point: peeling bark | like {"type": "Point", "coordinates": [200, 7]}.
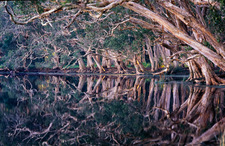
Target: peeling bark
{"type": "Point", "coordinates": [211, 55]}
{"type": "Point", "coordinates": [82, 67]}
{"type": "Point", "coordinates": [98, 64]}
{"type": "Point", "coordinates": [195, 71]}
{"type": "Point", "coordinates": [104, 62]}
{"type": "Point", "coordinates": [138, 68]}
{"type": "Point", "coordinates": [189, 20]}
{"type": "Point", "coordinates": [150, 53]}
{"type": "Point", "coordinates": [210, 76]}
{"type": "Point", "coordinates": [90, 63]}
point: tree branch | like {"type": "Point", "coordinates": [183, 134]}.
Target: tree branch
{"type": "Point", "coordinates": [206, 3]}
{"type": "Point", "coordinates": [111, 5]}
{"type": "Point", "coordinates": [118, 25]}
{"type": "Point", "coordinates": [74, 18]}
{"type": "Point", "coordinates": [145, 24]}
{"type": "Point", "coordinates": [12, 15]}
{"type": "Point", "coordinates": [216, 58]}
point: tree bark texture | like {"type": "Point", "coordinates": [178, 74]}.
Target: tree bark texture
{"type": "Point", "coordinates": [211, 55]}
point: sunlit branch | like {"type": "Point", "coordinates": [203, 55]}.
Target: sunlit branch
{"type": "Point", "coordinates": [46, 23]}
{"type": "Point", "coordinates": [114, 3]}
{"type": "Point", "coordinates": [207, 3]}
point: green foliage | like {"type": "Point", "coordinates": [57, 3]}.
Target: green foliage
{"type": "Point", "coordinates": [123, 40]}
{"type": "Point", "coordinates": [8, 43]}
{"type": "Point", "coordinates": [146, 65]}
{"type": "Point", "coordinates": [208, 45]}
{"type": "Point", "coordinates": [188, 48]}
{"type": "Point", "coordinates": [23, 7]}
{"type": "Point", "coordinates": [216, 20]}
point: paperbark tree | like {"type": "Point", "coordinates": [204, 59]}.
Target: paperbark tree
{"type": "Point", "coordinates": [173, 18]}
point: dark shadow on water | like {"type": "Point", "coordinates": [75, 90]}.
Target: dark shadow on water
{"type": "Point", "coordinates": [109, 110]}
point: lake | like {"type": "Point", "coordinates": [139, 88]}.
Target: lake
{"type": "Point", "coordinates": [110, 110]}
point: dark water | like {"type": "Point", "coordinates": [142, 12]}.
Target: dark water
{"type": "Point", "coordinates": [109, 110]}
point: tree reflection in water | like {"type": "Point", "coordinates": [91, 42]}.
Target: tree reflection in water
{"type": "Point", "coordinates": [105, 110]}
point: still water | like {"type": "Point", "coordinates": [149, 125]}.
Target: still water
{"type": "Point", "coordinates": [109, 110]}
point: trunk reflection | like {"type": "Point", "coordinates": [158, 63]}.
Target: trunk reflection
{"type": "Point", "coordinates": [109, 110]}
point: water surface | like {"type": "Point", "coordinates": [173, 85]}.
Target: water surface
{"type": "Point", "coordinates": [109, 110]}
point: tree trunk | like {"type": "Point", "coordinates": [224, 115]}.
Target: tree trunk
{"type": "Point", "coordinates": [104, 62]}
{"type": "Point", "coordinates": [90, 63]}
{"type": "Point", "coordinates": [117, 64]}
{"type": "Point", "coordinates": [109, 64]}
{"type": "Point", "coordinates": [97, 56]}
{"type": "Point", "coordinates": [143, 55]}
{"type": "Point", "coordinates": [175, 63]}
{"type": "Point", "coordinates": [164, 54]}
{"type": "Point", "coordinates": [108, 61]}
{"type": "Point", "coordinates": [195, 71]}
{"type": "Point", "coordinates": [136, 65]}
{"type": "Point", "coordinates": [122, 65]}
{"type": "Point", "coordinates": [55, 58]}
{"type": "Point", "coordinates": [200, 70]}
{"type": "Point", "coordinates": [156, 56]}
{"type": "Point", "coordinates": [150, 54]}
{"type": "Point", "coordinates": [82, 67]}
{"type": "Point", "coordinates": [141, 66]}
{"type": "Point", "coordinates": [98, 64]}
{"type": "Point", "coordinates": [210, 77]}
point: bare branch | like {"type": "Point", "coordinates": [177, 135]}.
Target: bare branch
{"type": "Point", "coordinates": [207, 3]}
{"type": "Point", "coordinates": [74, 18]}
{"type": "Point", "coordinates": [12, 16]}
{"type": "Point", "coordinates": [118, 25]}
{"type": "Point", "coordinates": [183, 52]}
{"type": "Point", "coordinates": [114, 3]}
{"type": "Point", "coordinates": [145, 24]}
{"type": "Point", "coordinates": [46, 23]}
{"type": "Point", "coordinates": [188, 59]}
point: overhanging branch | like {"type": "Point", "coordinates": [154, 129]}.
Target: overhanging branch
{"type": "Point", "coordinates": [12, 15]}
{"type": "Point", "coordinates": [105, 8]}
